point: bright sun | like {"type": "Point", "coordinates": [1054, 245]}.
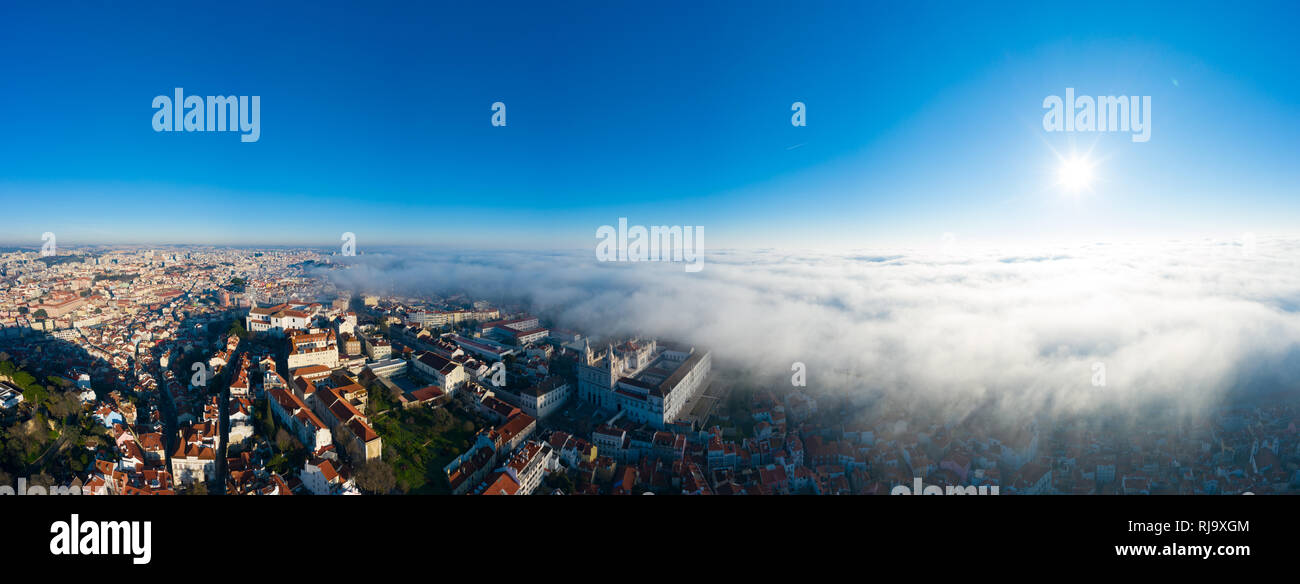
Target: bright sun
{"type": "Point", "coordinates": [1075, 174]}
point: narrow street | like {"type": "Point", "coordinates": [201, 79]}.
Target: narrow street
{"type": "Point", "coordinates": [223, 405]}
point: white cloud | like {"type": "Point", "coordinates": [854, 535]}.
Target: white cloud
{"type": "Point", "coordinates": [1175, 323]}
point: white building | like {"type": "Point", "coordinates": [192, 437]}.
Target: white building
{"type": "Point", "coordinates": [540, 400]}
{"type": "Point", "coordinates": [315, 348]}
{"type": "Point", "coordinates": [448, 374]}
{"type": "Point", "coordinates": [347, 323]}
{"type": "Point", "coordinates": [645, 381]}
{"type": "Point", "coordinates": [429, 319]}
{"type": "Point", "coordinates": [241, 420]}
{"type": "Point", "coordinates": [377, 348]}
{"type": "Point", "coordinates": [86, 393]}
{"type": "Point", "coordinates": [523, 473]}
{"type": "Point", "coordinates": [321, 477]}
{"type": "Point", "coordinates": [387, 367]}
{"type": "Point", "coordinates": [193, 464]}
{"type": "Point", "coordinates": [10, 396]}
{"type": "Point", "coordinates": [280, 318]}
{"type": "Point", "coordinates": [295, 416]}
{"type": "Point", "coordinates": [529, 465]}
{"type": "Point", "coordinates": [521, 330]}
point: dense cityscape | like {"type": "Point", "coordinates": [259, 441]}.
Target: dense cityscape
{"type": "Point", "coordinates": [201, 370]}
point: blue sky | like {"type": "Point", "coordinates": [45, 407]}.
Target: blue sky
{"type": "Point", "coordinates": [923, 118]}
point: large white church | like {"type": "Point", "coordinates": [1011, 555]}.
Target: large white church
{"type": "Point", "coordinates": [645, 381]}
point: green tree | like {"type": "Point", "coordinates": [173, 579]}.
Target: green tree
{"type": "Point", "coordinates": [283, 441]}
{"type": "Point", "coordinates": [237, 329]}
{"type": "Point", "coordinates": [268, 418]}
{"type": "Point", "coordinates": [42, 479]}
{"type": "Point", "coordinates": [376, 477]}
{"type": "Point", "coordinates": [31, 391]}
{"type": "Point", "coordinates": [561, 481]}
{"type": "Point", "coordinates": [379, 397]}
{"type": "Point", "coordinates": [63, 404]}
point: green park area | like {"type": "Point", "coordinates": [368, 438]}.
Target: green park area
{"type": "Point", "coordinates": [50, 435]}
{"type": "Point", "coordinates": [419, 442]}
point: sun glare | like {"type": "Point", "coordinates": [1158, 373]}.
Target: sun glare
{"type": "Point", "coordinates": [1075, 174]}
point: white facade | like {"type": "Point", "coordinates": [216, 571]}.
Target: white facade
{"type": "Point", "coordinates": [241, 426]}
{"type": "Point", "coordinates": [280, 318]}
{"type": "Point", "coordinates": [541, 401]}
{"type": "Point", "coordinates": [445, 373]}
{"type": "Point", "coordinates": [9, 397]}
{"type": "Point", "coordinates": [377, 348]}
{"type": "Point", "coordinates": [190, 470]}
{"type": "Point", "coordinates": [646, 382]}
{"type": "Point", "coordinates": [294, 415]}
{"type": "Point", "coordinates": [314, 349]}
{"type": "Point", "coordinates": [529, 465]}
{"type": "Point", "coordinates": [387, 367]}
